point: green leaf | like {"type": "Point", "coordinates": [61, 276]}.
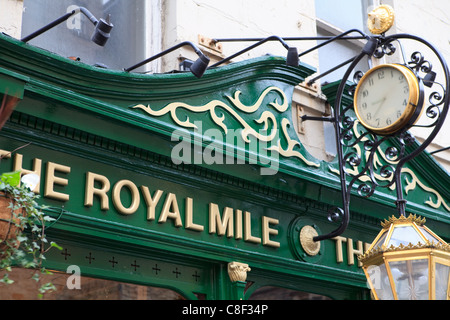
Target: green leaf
{"type": "Point", "coordinates": [55, 245]}
{"type": "Point", "coordinates": [35, 277]}
{"type": "Point", "coordinates": [11, 178]}
{"type": "Point", "coordinates": [6, 279]}
{"type": "Point", "coordinates": [45, 271]}
{"type": "Point", "coordinates": [21, 238]}
{"type": "Point", "coordinates": [47, 287]}
{"type": "Point", "coordinates": [29, 265]}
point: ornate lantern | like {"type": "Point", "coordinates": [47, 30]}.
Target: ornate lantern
{"type": "Point", "coordinates": [407, 261]}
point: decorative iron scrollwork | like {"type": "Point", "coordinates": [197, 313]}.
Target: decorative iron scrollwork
{"type": "Point", "coordinates": [384, 49]}
{"type": "Point", "coordinates": [367, 160]}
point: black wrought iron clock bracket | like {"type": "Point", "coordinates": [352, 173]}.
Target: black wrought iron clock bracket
{"type": "Point", "coordinates": [357, 170]}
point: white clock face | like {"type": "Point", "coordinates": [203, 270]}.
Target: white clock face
{"type": "Point", "coordinates": [382, 97]}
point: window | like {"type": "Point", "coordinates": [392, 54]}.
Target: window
{"type": "Point", "coordinates": [26, 288]}
{"type": "Point", "coordinates": [344, 14]}
{"type": "Point", "coordinates": [334, 18]}
{"type": "Point", "coordinates": [71, 38]}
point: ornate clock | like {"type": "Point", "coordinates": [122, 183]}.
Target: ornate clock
{"type": "Point", "coordinates": [388, 99]}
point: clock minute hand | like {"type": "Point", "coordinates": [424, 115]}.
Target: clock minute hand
{"type": "Point", "coordinates": [381, 102]}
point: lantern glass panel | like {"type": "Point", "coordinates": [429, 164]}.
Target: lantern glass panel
{"type": "Point", "coordinates": [405, 235]}
{"type": "Point", "coordinates": [380, 282]}
{"type": "Point", "coordinates": [411, 279]}
{"type": "Point", "coordinates": [442, 281]}
{"type": "Point", "coordinates": [380, 241]}
{"type": "Point", "coordinates": [428, 235]}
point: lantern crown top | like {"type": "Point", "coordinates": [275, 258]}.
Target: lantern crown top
{"type": "Point", "coordinates": [404, 233]}
{"type": "Point", "coordinates": [402, 220]}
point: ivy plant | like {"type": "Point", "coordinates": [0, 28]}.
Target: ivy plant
{"type": "Point", "coordinates": [27, 249]}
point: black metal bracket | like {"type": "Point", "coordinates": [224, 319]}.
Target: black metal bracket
{"type": "Point", "coordinates": [358, 171]}
{"type": "Point", "coordinates": [325, 119]}
{"type": "Point", "coordinates": [292, 58]}
{"type": "Point", "coordinates": [440, 150]}
{"type": "Point", "coordinates": [101, 33]}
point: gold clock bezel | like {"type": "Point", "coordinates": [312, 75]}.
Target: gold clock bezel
{"type": "Point", "coordinates": [413, 109]}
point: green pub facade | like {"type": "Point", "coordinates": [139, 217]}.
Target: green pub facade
{"type": "Point", "coordinates": [197, 185]}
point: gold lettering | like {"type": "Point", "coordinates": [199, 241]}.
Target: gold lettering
{"type": "Point", "coordinates": [51, 180]}
{"type": "Point", "coordinates": [170, 210]}
{"type": "Point", "coordinates": [151, 202]}
{"type": "Point", "coordinates": [91, 190]}
{"type": "Point", "coordinates": [135, 199]}
{"type": "Point", "coordinates": [218, 224]}
{"type": "Point", "coordinates": [339, 254]}
{"type": "Point", "coordinates": [248, 229]}
{"type": "Point", "coordinates": [351, 251]}
{"type": "Point", "coordinates": [238, 226]}
{"type": "Point", "coordinates": [37, 166]}
{"type": "Point", "coordinates": [267, 231]}
{"type": "Point", "coordinates": [189, 216]}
